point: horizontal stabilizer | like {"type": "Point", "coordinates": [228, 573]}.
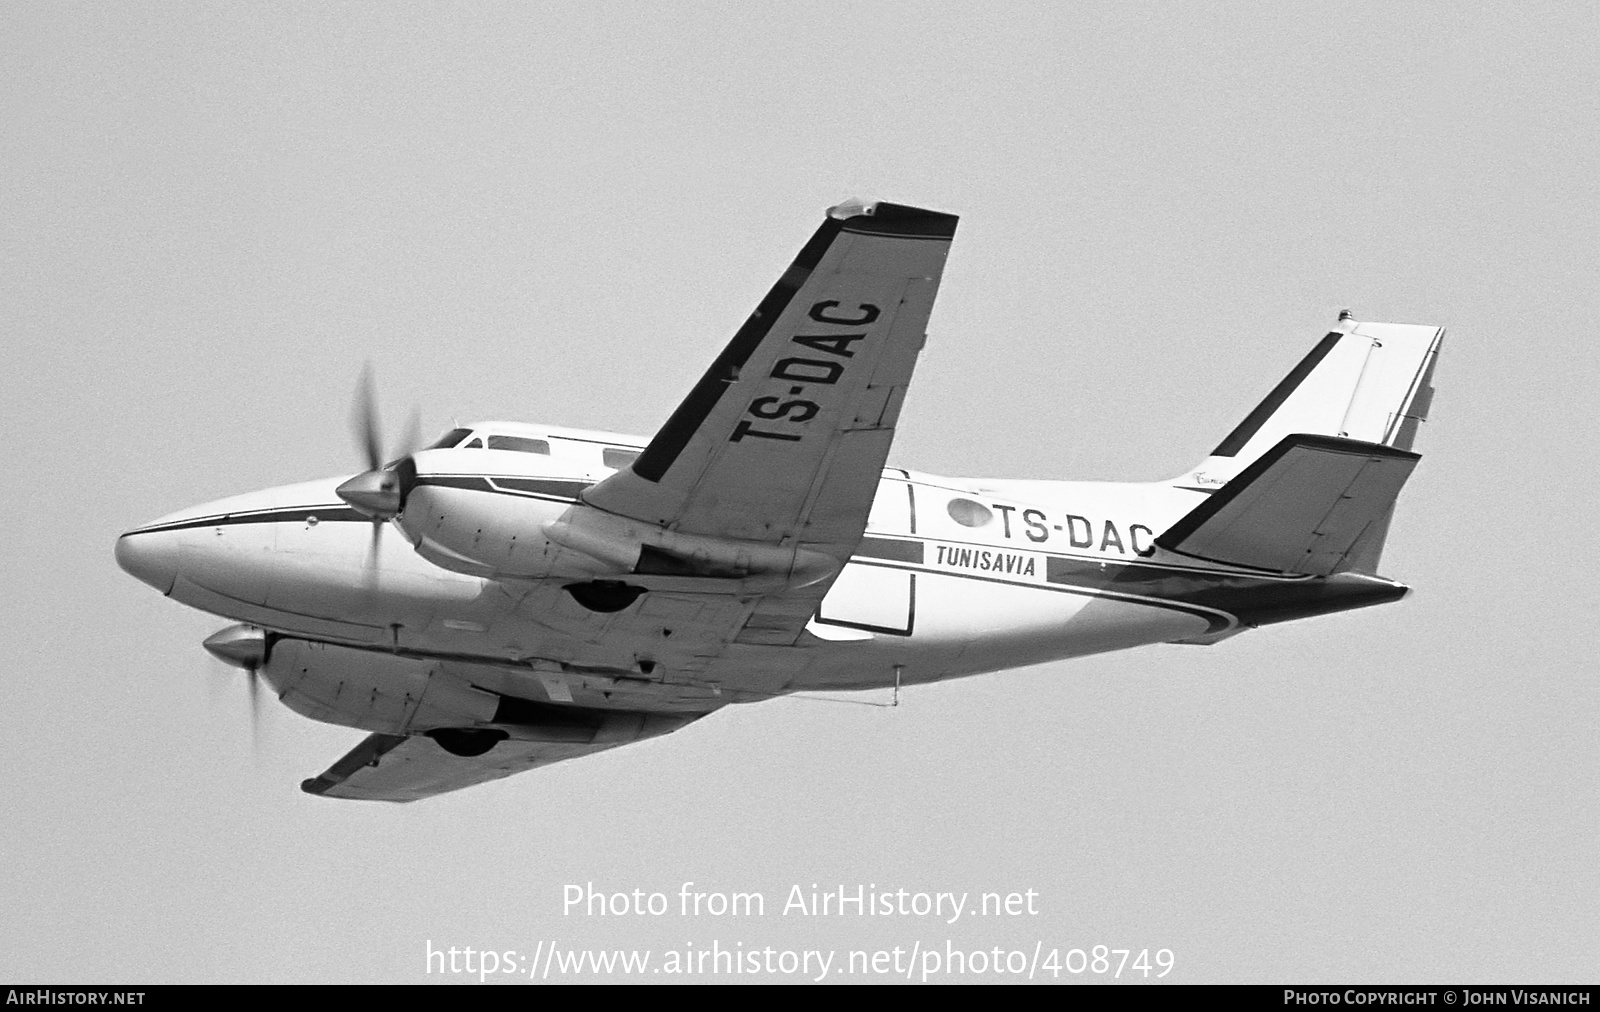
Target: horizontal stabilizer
{"type": "Point", "coordinates": [1303, 507]}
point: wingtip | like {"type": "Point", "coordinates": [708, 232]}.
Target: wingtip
{"type": "Point", "coordinates": [852, 207]}
{"type": "Point", "coordinates": [883, 218]}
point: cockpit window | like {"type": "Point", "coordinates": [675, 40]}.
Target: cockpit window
{"type": "Point", "coordinates": [448, 440]}
{"type": "Point", "coordinates": [476, 444]}
{"type": "Point", "coordinates": [617, 458]}
{"type": "Point", "coordinates": [519, 444]}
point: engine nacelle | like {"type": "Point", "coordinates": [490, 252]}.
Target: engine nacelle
{"type": "Point", "coordinates": [372, 690]}
{"type": "Point", "coordinates": [487, 522]}
{"type": "Point", "coordinates": [640, 549]}
{"type": "Point", "coordinates": [533, 527]}
{"type": "Point", "coordinates": [390, 694]}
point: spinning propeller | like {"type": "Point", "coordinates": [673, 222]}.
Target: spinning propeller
{"type": "Point", "coordinates": [243, 646]}
{"type": "Point", "coordinates": [379, 492]}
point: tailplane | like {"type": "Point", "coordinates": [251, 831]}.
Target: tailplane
{"type": "Point", "coordinates": [1314, 505]}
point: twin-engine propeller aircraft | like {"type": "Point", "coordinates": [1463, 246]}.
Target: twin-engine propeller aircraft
{"type": "Point", "coordinates": [566, 591]}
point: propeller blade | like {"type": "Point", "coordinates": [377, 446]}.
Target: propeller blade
{"type": "Point", "coordinates": [364, 419]}
{"type": "Point", "coordinates": [411, 436]}
{"type": "Point", "coordinates": [370, 568]}
{"type": "Point", "coordinates": [377, 491]}
{"type": "Point", "coordinates": [255, 707]}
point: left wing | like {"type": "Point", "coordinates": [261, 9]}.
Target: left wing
{"type": "Point", "coordinates": [783, 440]}
{"type": "Point", "coordinates": [397, 767]}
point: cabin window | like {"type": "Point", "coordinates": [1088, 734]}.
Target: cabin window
{"type": "Point", "coordinates": [520, 444]}
{"type": "Point", "coordinates": [968, 513]}
{"type": "Point", "coordinates": [448, 440]}
{"type": "Point", "coordinates": [617, 458]}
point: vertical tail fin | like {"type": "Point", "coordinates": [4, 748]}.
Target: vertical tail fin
{"type": "Point", "coordinates": [1365, 381]}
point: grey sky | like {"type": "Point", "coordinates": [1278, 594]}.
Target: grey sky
{"type": "Point", "coordinates": [211, 215]}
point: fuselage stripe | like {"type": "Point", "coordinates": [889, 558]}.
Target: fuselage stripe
{"type": "Point", "coordinates": [887, 548]}
{"type": "Point", "coordinates": [550, 489]}
{"type": "Point", "coordinates": [283, 514]}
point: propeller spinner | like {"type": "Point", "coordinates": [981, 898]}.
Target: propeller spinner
{"type": "Point", "coordinates": [375, 494]}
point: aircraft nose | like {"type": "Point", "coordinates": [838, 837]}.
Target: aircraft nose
{"type": "Point", "coordinates": [152, 556]}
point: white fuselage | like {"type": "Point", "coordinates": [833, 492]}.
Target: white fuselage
{"type": "Point", "coordinates": [954, 577]}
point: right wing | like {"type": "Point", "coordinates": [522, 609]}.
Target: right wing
{"type": "Point", "coordinates": [1303, 507]}
{"type": "Point", "coordinates": [783, 440]}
